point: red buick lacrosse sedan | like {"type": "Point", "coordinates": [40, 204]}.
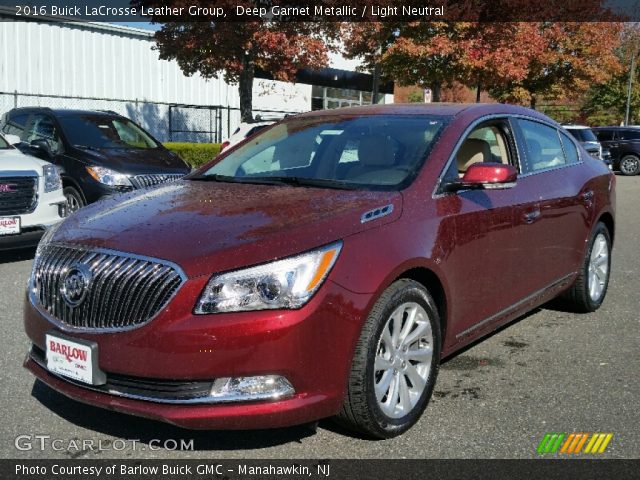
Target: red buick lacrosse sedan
{"type": "Point", "coordinates": [323, 267]}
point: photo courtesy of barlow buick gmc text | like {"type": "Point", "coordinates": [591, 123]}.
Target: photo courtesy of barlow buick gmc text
{"type": "Point", "coordinates": [269, 239]}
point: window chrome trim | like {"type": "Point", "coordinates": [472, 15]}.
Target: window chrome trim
{"type": "Point", "coordinates": [33, 299]}
{"type": "Point", "coordinates": [496, 116]}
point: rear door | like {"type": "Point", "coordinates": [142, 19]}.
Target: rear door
{"type": "Point", "coordinates": [608, 139]}
{"type": "Point", "coordinates": [551, 171]}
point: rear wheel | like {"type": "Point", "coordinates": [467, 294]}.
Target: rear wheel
{"type": "Point", "coordinates": [395, 364]}
{"type": "Point", "coordinates": [630, 165]}
{"type": "Point", "coordinates": [590, 288]}
{"type": "Point", "coordinates": [74, 199]}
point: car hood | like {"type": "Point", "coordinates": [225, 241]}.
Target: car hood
{"type": "Point", "coordinates": [14, 160]}
{"type": "Point", "coordinates": [208, 227]}
{"type": "Point", "coordinates": [136, 161]}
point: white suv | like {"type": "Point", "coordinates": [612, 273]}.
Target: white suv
{"type": "Point", "coordinates": [31, 198]}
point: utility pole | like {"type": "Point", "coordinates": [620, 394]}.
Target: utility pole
{"type": "Point", "coordinates": [631, 75]}
{"type": "Point", "coordinates": [376, 77]}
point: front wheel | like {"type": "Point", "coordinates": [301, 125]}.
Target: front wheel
{"type": "Point", "coordinates": [630, 165]}
{"type": "Point", "coordinates": [588, 291]}
{"type": "Point", "coordinates": [74, 199]}
{"type": "Point", "coordinates": [395, 363]}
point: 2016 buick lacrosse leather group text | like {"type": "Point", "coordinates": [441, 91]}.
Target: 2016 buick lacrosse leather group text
{"type": "Point", "coordinates": [323, 267]}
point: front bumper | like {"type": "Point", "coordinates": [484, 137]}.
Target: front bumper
{"type": "Point", "coordinates": [311, 347]}
{"type": "Point", "coordinates": [33, 225]}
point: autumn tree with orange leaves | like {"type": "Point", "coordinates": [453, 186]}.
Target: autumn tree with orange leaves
{"type": "Point", "coordinates": [574, 57]}
{"type": "Point", "coordinates": [235, 50]}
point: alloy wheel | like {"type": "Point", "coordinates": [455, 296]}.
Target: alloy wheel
{"type": "Point", "coordinates": [598, 267]}
{"type": "Point", "coordinates": [630, 165]}
{"type": "Point", "coordinates": [403, 360]}
{"type": "Point", "coordinates": [73, 204]}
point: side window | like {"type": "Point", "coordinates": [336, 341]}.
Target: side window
{"type": "Point", "coordinates": [486, 143]}
{"type": "Point", "coordinates": [630, 135]}
{"type": "Point", "coordinates": [570, 150]}
{"type": "Point", "coordinates": [542, 146]}
{"type": "Point", "coordinates": [604, 135]}
{"type": "Point", "coordinates": [42, 127]}
{"type": "Point", "coordinates": [16, 125]}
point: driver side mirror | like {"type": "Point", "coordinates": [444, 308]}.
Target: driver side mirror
{"type": "Point", "coordinates": [486, 175]}
{"type": "Point", "coordinates": [40, 145]}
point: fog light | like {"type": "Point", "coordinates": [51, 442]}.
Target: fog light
{"type": "Point", "coordinates": [263, 387]}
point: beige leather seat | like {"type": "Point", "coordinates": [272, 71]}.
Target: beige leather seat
{"type": "Point", "coordinates": [375, 155]}
{"type": "Point", "coordinates": [473, 150]}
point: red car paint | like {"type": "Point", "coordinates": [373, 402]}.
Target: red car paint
{"type": "Point", "coordinates": [487, 256]}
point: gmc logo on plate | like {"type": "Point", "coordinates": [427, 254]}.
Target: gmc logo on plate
{"type": "Point", "coordinates": [7, 187]}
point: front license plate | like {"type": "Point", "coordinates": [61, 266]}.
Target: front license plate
{"type": "Point", "coordinates": [73, 358]}
{"type": "Point", "coordinates": [9, 225]}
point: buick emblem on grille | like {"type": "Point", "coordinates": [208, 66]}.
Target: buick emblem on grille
{"type": "Point", "coordinates": [7, 187]}
{"type": "Point", "coordinates": [75, 284]}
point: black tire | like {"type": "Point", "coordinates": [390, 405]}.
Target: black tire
{"type": "Point", "coordinates": [75, 201]}
{"type": "Point", "coordinates": [360, 411]}
{"type": "Point", "coordinates": [578, 297]}
{"type": "Point", "coordinates": [629, 165]}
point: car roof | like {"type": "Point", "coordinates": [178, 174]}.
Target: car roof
{"type": "Point", "coordinates": [628, 127]}
{"type": "Point", "coordinates": [64, 112]}
{"type": "Point", "coordinates": [581, 127]}
{"type": "Point", "coordinates": [438, 109]}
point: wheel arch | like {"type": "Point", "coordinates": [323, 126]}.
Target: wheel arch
{"type": "Point", "coordinates": [70, 182]}
{"type": "Point", "coordinates": [609, 222]}
{"type": "Point", "coordinates": [430, 280]}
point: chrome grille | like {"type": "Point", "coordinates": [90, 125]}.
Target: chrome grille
{"type": "Point", "coordinates": [142, 181]}
{"type": "Point", "coordinates": [125, 291]}
{"type": "Point", "coordinates": [18, 194]}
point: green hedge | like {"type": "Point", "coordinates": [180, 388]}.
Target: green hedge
{"type": "Point", "coordinates": [195, 154]}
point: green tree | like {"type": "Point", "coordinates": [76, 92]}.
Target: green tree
{"type": "Point", "coordinates": [606, 103]}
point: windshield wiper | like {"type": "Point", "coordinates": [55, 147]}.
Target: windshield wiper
{"type": "Point", "coordinates": [281, 180]}
{"type": "Point", "coordinates": [216, 178]}
{"type": "Point", "coordinates": [305, 182]}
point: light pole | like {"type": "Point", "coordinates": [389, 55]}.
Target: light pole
{"type": "Point", "coordinates": [631, 75]}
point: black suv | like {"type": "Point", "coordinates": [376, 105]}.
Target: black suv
{"type": "Point", "coordinates": [624, 145]}
{"type": "Point", "coordinates": [99, 152]}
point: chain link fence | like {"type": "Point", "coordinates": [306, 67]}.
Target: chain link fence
{"type": "Point", "coordinates": [167, 122]}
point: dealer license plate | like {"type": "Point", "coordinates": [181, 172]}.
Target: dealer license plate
{"type": "Point", "coordinates": [74, 359]}
{"type": "Point", "coordinates": [9, 225]}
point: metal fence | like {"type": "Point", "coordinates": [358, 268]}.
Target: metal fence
{"type": "Point", "coordinates": [167, 122]}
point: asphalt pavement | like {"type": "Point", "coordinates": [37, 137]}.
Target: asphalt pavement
{"type": "Point", "coordinates": [550, 371]}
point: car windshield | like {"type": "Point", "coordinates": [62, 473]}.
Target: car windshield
{"type": "Point", "coordinates": [100, 131]}
{"type": "Point", "coordinates": [583, 134]}
{"type": "Point", "coordinates": [3, 143]}
{"type": "Point", "coordinates": [376, 152]}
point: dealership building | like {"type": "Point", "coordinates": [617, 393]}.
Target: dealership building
{"type": "Point", "coordinates": [90, 65]}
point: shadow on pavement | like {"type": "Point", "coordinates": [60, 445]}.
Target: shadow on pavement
{"type": "Point", "coordinates": [11, 256]}
{"type": "Point", "coordinates": [144, 430]}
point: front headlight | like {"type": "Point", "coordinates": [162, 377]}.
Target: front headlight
{"type": "Point", "coordinates": [109, 177]}
{"type": "Point", "coordinates": [52, 180]}
{"type": "Point", "coordinates": [287, 283]}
